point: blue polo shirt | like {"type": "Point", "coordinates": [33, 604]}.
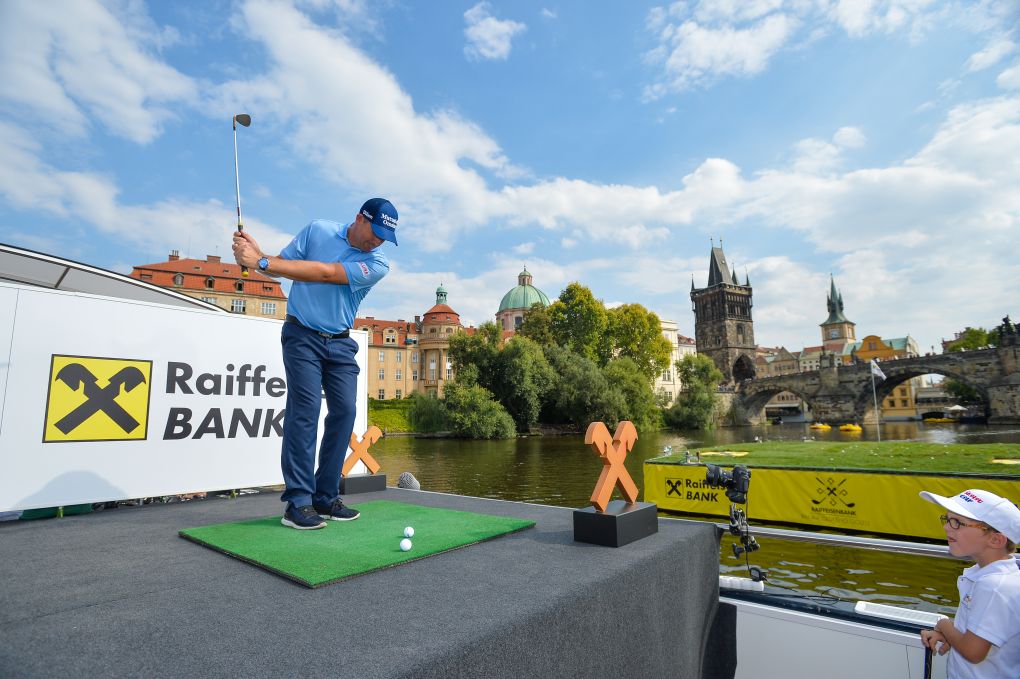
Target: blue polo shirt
{"type": "Point", "coordinates": [329, 307]}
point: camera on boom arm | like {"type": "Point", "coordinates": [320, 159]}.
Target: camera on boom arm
{"type": "Point", "coordinates": [735, 482]}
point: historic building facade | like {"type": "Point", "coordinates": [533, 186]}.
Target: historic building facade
{"type": "Point", "coordinates": [837, 330]}
{"type": "Point", "coordinates": [404, 357]}
{"type": "Point", "coordinates": [723, 327]}
{"type": "Point", "coordinates": [668, 385]}
{"type": "Point", "coordinates": [517, 301]}
{"type": "Point", "coordinates": [220, 283]}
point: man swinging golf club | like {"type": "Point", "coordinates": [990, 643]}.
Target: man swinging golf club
{"type": "Point", "coordinates": [333, 267]}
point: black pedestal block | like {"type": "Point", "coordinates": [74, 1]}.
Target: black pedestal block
{"type": "Point", "coordinates": [620, 524]}
{"type": "Point", "coordinates": [362, 483]}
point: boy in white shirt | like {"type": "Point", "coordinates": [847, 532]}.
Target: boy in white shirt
{"type": "Point", "coordinates": [984, 638]}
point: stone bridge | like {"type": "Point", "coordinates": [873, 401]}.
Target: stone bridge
{"type": "Point", "coordinates": [840, 394]}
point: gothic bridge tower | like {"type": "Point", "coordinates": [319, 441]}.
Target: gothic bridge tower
{"type": "Point", "coordinates": [723, 328]}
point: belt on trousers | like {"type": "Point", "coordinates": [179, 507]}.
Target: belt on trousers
{"type": "Point", "coordinates": [327, 335]}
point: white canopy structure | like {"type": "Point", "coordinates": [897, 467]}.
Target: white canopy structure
{"type": "Point", "coordinates": [26, 267]}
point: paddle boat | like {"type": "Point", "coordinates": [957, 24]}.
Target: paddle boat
{"type": "Point", "coordinates": [850, 427]}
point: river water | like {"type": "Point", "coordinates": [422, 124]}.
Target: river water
{"type": "Point", "coordinates": [562, 471]}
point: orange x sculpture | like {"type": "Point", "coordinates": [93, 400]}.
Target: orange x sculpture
{"type": "Point", "coordinates": [613, 451]}
{"type": "Point", "coordinates": [359, 451]}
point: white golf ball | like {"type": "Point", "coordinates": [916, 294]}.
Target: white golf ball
{"type": "Point", "coordinates": [408, 532]}
{"type": "Point", "coordinates": [405, 545]}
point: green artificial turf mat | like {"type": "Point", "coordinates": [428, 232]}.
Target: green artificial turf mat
{"type": "Point", "coordinates": [344, 549]}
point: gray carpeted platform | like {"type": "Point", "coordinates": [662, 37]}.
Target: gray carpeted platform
{"type": "Point", "coordinates": [118, 593]}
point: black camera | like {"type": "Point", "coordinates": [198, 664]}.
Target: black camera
{"type": "Point", "coordinates": [735, 482]}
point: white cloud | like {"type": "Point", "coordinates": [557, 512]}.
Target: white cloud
{"type": "Point", "coordinates": [66, 63]}
{"type": "Point", "coordinates": [524, 248]}
{"type": "Point", "coordinates": [488, 37]}
{"type": "Point", "coordinates": [29, 183]}
{"type": "Point", "coordinates": [548, 13]}
{"type": "Point", "coordinates": [1010, 78]}
{"type": "Point", "coordinates": [692, 53]}
{"type": "Point", "coordinates": [995, 52]}
{"type": "Point", "coordinates": [849, 138]}
{"type": "Point", "coordinates": [701, 41]}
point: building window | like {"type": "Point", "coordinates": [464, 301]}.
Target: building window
{"type": "Point", "coordinates": [414, 375]}
{"type": "Point", "coordinates": [237, 306]}
{"type": "Point", "coordinates": [390, 337]}
{"type": "Point", "coordinates": [399, 375]}
{"type": "Point", "coordinates": [449, 373]}
{"type": "Point", "coordinates": [432, 373]}
{"type": "Point", "coordinates": [239, 286]}
{"type": "Point", "coordinates": [414, 357]}
{"type": "Point", "coordinates": [268, 308]}
{"type": "Point", "coordinates": [518, 320]}
{"type": "Point", "coordinates": [267, 288]}
{"type": "Point", "coordinates": [210, 282]}
{"type": "Point", "coordinates": [178, 279]}
{"type": "Point", "coordinates": [400, 394]}
{"type": "Point", "coordinates": [382, 373]}
{"type": "Point", "coordinates": [400, 357]}
{"type": "Point", "coordinates": [903, 391]}
{"type": "Point", "coordinates": [382, 394]}
{"type": "Point", "coordinates": [211, 300]}
{"type": "Point", "coordinates": [382, 356]}
{"type": "Point", "coordinates": [666, 376]}
{"type": "Point", "coordinates": [146, 276]}
{"type": "Point", "coordinates": [903, 402]}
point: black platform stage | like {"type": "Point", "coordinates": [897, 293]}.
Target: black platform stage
{"type": "Point", "coordinates": [118, 593]}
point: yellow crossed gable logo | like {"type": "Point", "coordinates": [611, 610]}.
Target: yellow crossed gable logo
{"type": "Point", "coordinates": [97, 399]}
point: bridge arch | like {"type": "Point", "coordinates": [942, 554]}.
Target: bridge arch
{"type": "Point", "coordinates": [754, 397]}
{"type": "Point", "coordinates": [864, 402]}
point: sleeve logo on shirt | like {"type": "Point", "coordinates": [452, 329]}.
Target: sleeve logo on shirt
{"type": "Point", "coordinates": [364, 268]}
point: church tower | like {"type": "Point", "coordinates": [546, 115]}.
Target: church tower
{"type": "Point", "coordinates": [723, 328]}
{"type": "Point", "coordinates": [837, 331]}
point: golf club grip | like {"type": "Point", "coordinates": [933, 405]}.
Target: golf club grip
{"type": "Point", "coordinates": [244, 269]}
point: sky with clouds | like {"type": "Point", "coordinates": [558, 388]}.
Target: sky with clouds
{"type": "Point", "coordinates": [606, 143]}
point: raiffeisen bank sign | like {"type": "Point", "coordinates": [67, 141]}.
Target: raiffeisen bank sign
{"type": "Point", "coordinates": [107, 399]}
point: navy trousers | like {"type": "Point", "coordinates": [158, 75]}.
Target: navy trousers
{"type": "Point", "coordinates": [315, 365]}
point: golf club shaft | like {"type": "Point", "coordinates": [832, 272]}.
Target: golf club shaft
{"type": "Point", "coordinates": [237, 186]}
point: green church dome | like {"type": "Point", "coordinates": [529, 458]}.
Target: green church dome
{"type": "Point", "coordinates": [524, 295]}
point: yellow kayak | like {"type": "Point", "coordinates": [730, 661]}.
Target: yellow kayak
{"type": "Point", "coordinates": [850, 427]}
{"type": "Point", "coordinates": [819, 425]}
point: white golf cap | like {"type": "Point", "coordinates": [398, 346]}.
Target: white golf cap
{"type": "Point", "coordinates": [980, 505]}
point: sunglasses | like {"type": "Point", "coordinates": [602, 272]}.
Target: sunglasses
{"type": "Point", "coordinates": [956, 524]}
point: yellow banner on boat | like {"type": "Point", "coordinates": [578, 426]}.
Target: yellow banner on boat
{"type": "Point", "coordinates": [871, 502]}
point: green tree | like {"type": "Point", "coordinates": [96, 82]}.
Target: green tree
{"type": "Point", "coordinates": [426, 415]}
{"type": "Point", "coordinates": [696, 404]}
{"type": "Point", "coordinates": [521, 379]}
{"type": "Point", "coordinates": [578, 320]}
{"type": "Point", "coordinates": [473, 413]}
{"type": "Point", "coordinates": [582, 394]}
{"type": "Point", "coordinates": [635, 332]}
{"type": "Point", "coordinates": [641, 409]}
{"type": "Point", "coordinates": [961, 392]}
{"type": "Point", "coordinates": [537, 325]}
{"type": "Point", "coordinates": [974, 338]}
{"type": "Point", "coordinates": [480, 349]}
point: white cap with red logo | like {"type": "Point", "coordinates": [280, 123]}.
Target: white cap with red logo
{"type": "Point", "coordinates": [980, 505]}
